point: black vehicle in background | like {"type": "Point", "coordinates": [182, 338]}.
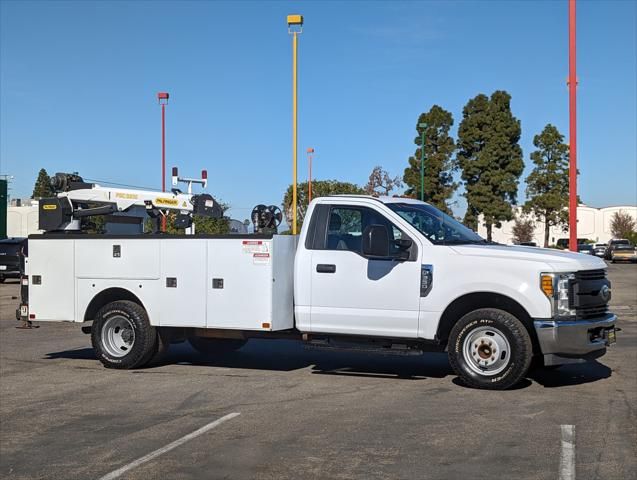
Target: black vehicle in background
{"type": "Point", "coordinates": [612, 245]}
{"type": "Point", "coordinates": [12, 252]}
{"type": "Point", "coordinates": [562, 243]}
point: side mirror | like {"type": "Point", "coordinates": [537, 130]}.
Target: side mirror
{"type": "Point", "coordinates": [376, 241]}
{"type": "Point", "coordinates": [404, 243]}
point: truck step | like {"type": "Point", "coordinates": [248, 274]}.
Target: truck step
{"type": "Point", "coordinates": [393, 350]}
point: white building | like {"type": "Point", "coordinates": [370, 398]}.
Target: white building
{"type": "Point", "coordinates": [592, 224]}
{"type": "Point", "coordinates": [22, 221]}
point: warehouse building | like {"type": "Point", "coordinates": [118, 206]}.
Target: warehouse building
{"type": "Point", "coordinates": [592, 224]}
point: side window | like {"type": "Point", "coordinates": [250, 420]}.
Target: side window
{"type": "Point", "coordinates": [346, 225]}
{"type": "Point", "coordinates": [345, 229]}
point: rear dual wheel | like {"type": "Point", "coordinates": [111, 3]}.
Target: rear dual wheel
{"type": "Point", "coordinates": [123, 337]}
{"type": "Point", "coordinates": [490, 349]}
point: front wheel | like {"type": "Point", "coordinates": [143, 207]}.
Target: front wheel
{"type": "Point", "coordinates": [490, 349]}
{"type": "Point", "coordinates": [122, 335]}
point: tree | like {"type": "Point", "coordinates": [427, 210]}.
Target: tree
{"type": "Point", "coordinates": [547, 185]}
{"type": "Point", "coordinates": [523, 230]}
{"type": "Point", "coordinates": [490, 158]}
{"type": "Point", "coordinates": [320, 188]}
{"type": "Point", "coordinates": [622, 225]}
{"type": "Point", "coordinates": [439, 164]}
{"type": "Point", "coordinates": [380, 182]}
{"type": "Point", "coordinates": [42, 188]}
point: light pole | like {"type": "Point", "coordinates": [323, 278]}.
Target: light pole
{"type": "Point", "coordinates": [422, 127]}
{"type": "Point", "coordinates": [295, 28]}
{"type": "Point", "coordinates": [162, 98]}
{"type": "Point", "coordinates": [310, 155]}
{"type": "Point", "coordinates": [572, 101]}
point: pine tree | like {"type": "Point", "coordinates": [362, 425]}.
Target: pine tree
{"type": "Point", "coordinates": [490, 158]}
{"type": "Point", "coordinates": [42, 188]}
{"type": "Point", "coordinates": [439, 164]}
{"type": "Point", "coordinates": [547, 184]}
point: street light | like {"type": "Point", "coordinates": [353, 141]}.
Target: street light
{"type": "Point", "coordinates": [422, 127]}
{"type": "Point", "coordinates": [295, 28]}
{"type": "Point", "coordinates": [310, 155]}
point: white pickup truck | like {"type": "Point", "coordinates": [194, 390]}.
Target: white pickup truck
{"type": "Point", "coordinates": [390, 275]}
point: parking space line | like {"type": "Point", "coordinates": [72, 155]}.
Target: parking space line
{"type": "Point", "coordinates": [116, 473]}
{"type": "Point", "coordinates": [567, 453]}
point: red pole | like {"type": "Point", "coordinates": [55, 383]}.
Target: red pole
{"type": "Point", "coordinates": [162, 97]}
{"type": "Point", "coordinates": [163, 147]}
{"type": "Point", "coordinates": [163, 159]}
{"type": "Point", "coordinates": [572, 101]}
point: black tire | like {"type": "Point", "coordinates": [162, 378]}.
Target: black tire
{"type": "Point", "coordinates": [144, 340]}
{"type": "Point", "coordinates": [2, 279]}
{"type": "Point", "coordinates": [486, 327]}
{"type": "Point", "coordinates": [215, 346]}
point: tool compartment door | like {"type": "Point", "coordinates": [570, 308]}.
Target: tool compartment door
{"type": "Point", "coordinates": [239, 284]}
{"type": "Point", "coordinates": [51, 279]}
{"type": "Point", "coordinates": [183, 283]}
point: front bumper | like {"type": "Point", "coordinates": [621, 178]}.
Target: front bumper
{"type": "Point", "coordinates": [574, 341]}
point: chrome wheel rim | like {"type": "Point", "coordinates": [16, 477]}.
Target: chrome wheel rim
{"type": "Point", "coordinates": [118, 336]}
{"type": "Point", "coordinates": [487, 351]}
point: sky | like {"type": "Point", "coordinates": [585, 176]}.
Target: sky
{"type": "Point", "coordinates": [78, 85]}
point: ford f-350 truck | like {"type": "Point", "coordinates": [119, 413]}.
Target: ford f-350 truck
{"type": "Point", "coordinates": [388, 275]}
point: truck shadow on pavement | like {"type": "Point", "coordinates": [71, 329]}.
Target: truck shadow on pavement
{"type": "Point", "coordinates": [282, 355]}
{"type": "Point", "coordinates": [568, 375]}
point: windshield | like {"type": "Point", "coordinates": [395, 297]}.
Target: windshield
{"type": "Point", "coordinates": [438, 227]}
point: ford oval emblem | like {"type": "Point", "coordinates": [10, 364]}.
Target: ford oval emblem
{"type": "Point", "coordinates": [605, 293]}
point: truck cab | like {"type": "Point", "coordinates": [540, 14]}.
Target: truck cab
{"type": "Point", "coordinates": [399, 268]}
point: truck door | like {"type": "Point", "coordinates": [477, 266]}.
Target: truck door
{"type": "Point", "coordinates": [352, 294]}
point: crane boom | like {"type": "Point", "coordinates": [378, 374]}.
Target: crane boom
{"type": "Point", "coordinates": [76, 199]}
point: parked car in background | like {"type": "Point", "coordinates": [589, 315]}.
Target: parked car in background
{"type": "Point", "coordinates": [624, 253]}
{"type": "Point", "coordinates": [585, 248]}
{"type": "Point", "coordinates": [528, 244]}
{"type": "Point", "coordinates": [563, 242]}
{"type": "Point", "coordinates": [11, 257]}
{"type": "Point", "coordinates": [612, 245]}
{"type": "Point", "coordinates": [599, 249]}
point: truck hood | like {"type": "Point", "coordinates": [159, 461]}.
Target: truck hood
{"type": "Point", "coordinates": [560, 260]}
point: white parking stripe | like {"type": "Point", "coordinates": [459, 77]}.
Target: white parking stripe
{"type": "Point", "coordinates": [567, 455]}
{"type": "Point", "coordinates": [116, 473]}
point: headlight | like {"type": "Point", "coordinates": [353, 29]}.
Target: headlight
{"type": "Point", "coordinates": [556, 286]}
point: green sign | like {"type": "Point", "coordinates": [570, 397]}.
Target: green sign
{"type": "Point", "coordinates": [3, 209]}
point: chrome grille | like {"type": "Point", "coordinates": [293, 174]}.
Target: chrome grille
{"type": "Point", "coordinates": [599, 274]}
{"type": "Point", "coordinates": [586, 298]}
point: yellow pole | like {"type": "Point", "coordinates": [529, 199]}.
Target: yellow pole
{"type": "Point", "coordinates": [294, 128]}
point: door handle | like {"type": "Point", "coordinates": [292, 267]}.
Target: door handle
{"type": "Point", "coordinates": [325, 268]}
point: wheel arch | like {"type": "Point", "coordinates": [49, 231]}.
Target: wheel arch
{"type": "Point", "coordinates": [106, 296]}
{"type": "Point", "coordinates": [475, 300]}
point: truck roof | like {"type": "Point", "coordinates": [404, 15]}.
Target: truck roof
{"type": "Point", "coordinates": [383, 199]}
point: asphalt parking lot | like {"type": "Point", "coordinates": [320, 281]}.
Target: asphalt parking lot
{"type": "Point", "coordinates": [307, 414]}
